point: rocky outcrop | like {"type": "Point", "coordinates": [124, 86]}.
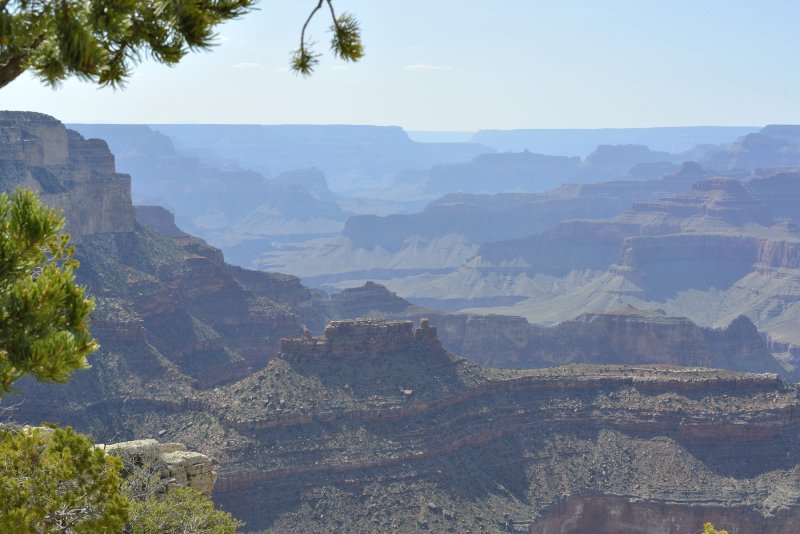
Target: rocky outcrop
{"type": "Point", "coordinates": [368, 300]}
{"type": "Point", "coordinates": [159, 219]}
{"type": "Point", "coordinates": [356, 338]}
{"type": "Point", "coordinates": [171, 464]}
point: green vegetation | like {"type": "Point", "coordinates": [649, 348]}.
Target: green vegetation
{"type": "Point", "coordinates": [708, 528]}
{"type": "Point", "coordinates": [102, 40]}
{"type": "Point", "coordinates": [180, 511]}
{"type": "Point", "coordinates": [43, 312]}
{"type": "Point", "coordinates": [345, 43]}
{"type": "Point", "coordinates": [53, 480]}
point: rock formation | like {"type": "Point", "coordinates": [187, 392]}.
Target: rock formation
{"type": "Point", "coordinates": [171, 464]}
{"type": "Point", "coordinates": [489, 218]}
{"type": "Point", "coordinates": [159, 219]}
{"type": "Point", "coordinates": [622, 336]}
{"type": "Point", "coordinates": [171, 313]}
{"type": "Point", "coordinates": [375, 426]}
{"type": "Point", "coordinates": [491, 449]}
{"type": "Point", "coordinates": [70, 173]}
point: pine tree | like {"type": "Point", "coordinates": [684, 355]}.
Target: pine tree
{"type": "Point", "coordinates": [43, 312]}
{"type": "Point", "coordinates": [54, 480]}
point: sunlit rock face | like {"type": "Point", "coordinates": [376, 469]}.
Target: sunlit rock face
{"type": "Point", "coordinates": [70, 173]}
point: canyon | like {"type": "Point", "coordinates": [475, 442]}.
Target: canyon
{"type": "Point", "coordinates": [376, 425]}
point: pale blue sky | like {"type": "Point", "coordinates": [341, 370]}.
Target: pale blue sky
{"type": "Point", "coordinates": [473, 64]}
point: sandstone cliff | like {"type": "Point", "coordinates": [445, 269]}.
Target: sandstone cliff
{"type": "Point", "coordinates": [71, 173]}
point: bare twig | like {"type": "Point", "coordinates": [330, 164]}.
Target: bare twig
{"type": "Point", "coordinates": [308, 20]}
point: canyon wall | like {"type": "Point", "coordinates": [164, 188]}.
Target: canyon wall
{"type": "Point", "coordinates": [71, 173]}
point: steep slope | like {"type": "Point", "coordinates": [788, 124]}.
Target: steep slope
{"type": "Point", "coordinates": [170, 313]}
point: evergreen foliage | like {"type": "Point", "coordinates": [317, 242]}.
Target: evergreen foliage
{"type": "Point", "coordinates": [43, 312]}
{"type": "Point", "coordinates": [180, 511]}
{"type": "Point", "coordinates": [101, 40]}
{"type": "Point", "coordinates": [708, 528]}
{"type": "Point", "coordinates": [345, 43]}
{"type": "Point", "coordinates": [56, 481]}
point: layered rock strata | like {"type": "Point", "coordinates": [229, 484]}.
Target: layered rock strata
{"type": "Point", "coordinates": [621, 336]}
{"type": "Point", "coordinates": [70, 173]}
{"type": "Point", "coordinates": [492, 449]}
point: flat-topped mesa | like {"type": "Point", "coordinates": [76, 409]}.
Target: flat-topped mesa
{"type": "Point", "coordinates": [361, 337]}
{"type": "Point", "coordinates": [71, 173]}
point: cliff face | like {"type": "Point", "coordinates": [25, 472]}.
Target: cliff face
{"type": "Point", "coordinates": [159, 219]}
{"type": "Point", "coordinates": [71, 173]}
{"type": "Point", "coordinates": [171, 314]}
{"type": "Point", "coordinates": [616, 337]}
{"type": "Point", "coordinates": [375, 426]}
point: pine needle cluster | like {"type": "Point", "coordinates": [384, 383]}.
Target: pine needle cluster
{"type": "Point", "coordinates": [44, 314]}
{"type": "Point", "coordinates": [102, 40]}
{"type": "Point", "coordinates": [345, 44]}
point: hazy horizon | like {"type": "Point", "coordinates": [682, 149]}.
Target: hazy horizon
{"type": "Point", "coordinates": [433, 67]}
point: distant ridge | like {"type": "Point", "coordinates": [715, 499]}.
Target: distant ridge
{"type": "Point", "coordinates": [580, 142]}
